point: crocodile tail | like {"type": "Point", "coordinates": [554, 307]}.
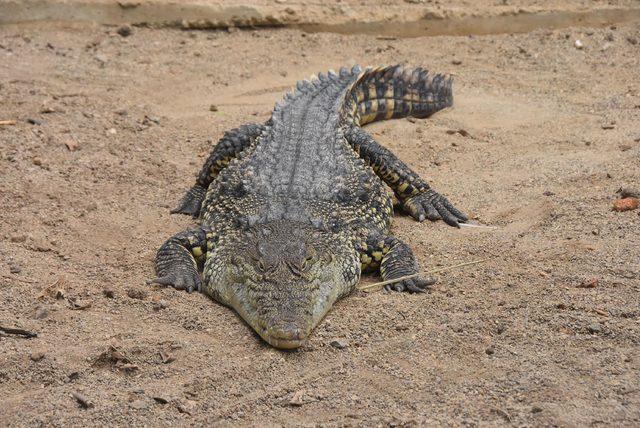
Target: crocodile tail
{"type": "Point", "coordinates": [395, 92]}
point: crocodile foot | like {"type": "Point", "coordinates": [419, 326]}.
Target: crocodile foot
{"type": "Point", "coordinates": [412, 285]}
{"type": "Point", "coordinates": [179, 281]}
{"type": "Point", "coordinates": [191, 202]}
{"type": "Point", "coordinates": [433, 206]}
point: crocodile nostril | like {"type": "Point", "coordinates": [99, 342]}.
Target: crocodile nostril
{"type": "Point", "coordinates": [286, 331]}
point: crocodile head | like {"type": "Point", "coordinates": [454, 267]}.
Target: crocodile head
{"type": "Point", "coordinates": [282, 278]}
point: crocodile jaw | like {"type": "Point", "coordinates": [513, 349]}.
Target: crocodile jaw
{"type": "Point", "coordinates": [288, 323]}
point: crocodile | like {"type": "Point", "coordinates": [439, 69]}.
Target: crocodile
{"type": "Point", "coordinates": [291, 211]}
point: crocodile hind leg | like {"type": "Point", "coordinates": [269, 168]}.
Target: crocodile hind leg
{"type": "Point", "coordinates": [394, 259]}
{"type": "Point", "coordinates": [418, 199]}
{"type": "Point", "coordinates": [178, 258]}
{"type": "Point", "coordinates": [230, 145]}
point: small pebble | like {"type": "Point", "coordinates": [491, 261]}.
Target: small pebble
{"type": "Point", "coordinates": [137, 293]}
{"type": "Point", "coordinates": [589, 283]}
{"type": "Point", "coordinates": [125, 30]}
{"type": "Point", "coordinates": [108, 292]}
{"type": "Point", "coordinates": [18, 238]}
{"type": "Point", "coordinates": [339, 343]}
{"type": "Point", "coordinates": [82, 400]}
{"type": "Point", "coordinates": [161, 400]}
{"type": "Point", "coordinates": [578, 44]}
{"type": "Point", "coordinates": [160, 304]}
{"type": "Point", "coordinates": [625, 204]}
{"type": "Point", "coordinates": [36, 356]}
{"type": "Point", "coordinates": [139, 404]}
{"type": "Point", "coordinates": [41, 312]}
{"type": "Point", "coordinates": [594, 328]}
{"type": "Point", "coordinates": [213, 107]}
{"type": "Point", "coordinates": [15, 269]}
{"type": "Point", "coordinates": [102, 59]}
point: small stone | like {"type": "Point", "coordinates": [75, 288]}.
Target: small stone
{"type": "Point", "coordinates": [139, 404]}
{"type": "Point", "coordinates": [18, 238]}
{"type": "Point", "coordinates": [137, 293]}
{"type": "Point", "coordinates": [122, 112]}
{"type": "Point", "coordinates": [594, 328]}
{"type": "Point", "coordinates": [609, 125]}
{"type": "Point", "coordinates": [160, 304]}
{"type": "Point", "coordinates": [297, 399]}
{"type": "Point", "coordinates": [625, 204]}
{"type": "Point", "coordinates": [102, 59]}
{"type": "Point", "coordinates": [108, 292]}
{"type": "Point", "coordinates": [490, 350]}
{"type": "Point", "coordinates": [632, 40]}
{"type": "Point", "coordinates": [42, 312]}
{"type": "Point", "coordinates": [160, 400]}
{"type": "Point", "coordinates": [339, 343]}
{"type": "Point", "coordinates": [578, 44]}
{"type": "Point", "coordinates": [71, 144]}
{"type": "Point", "coordinates": [536, 409]}
{"type": "Point", "coordinates": [213, 107]}
{"type": "Point", "coordinates": [15, 269]}
{"type": "Point", "coordinates": [187, 407]}
{"type": "Point", "coordinates": [36, 356]}
{"type": "Point", "coordinates": [456, 61]}
{"type": "Point", "coordinates": [33, 121]}
{"type": "Point", "coordinates": [589, 283]}
{"type": "Point", "coordinates": [125, 30]}
{"type": "Point", "coordinates": [548, 193]}
{"type": "Point", "coordinates": [82, 400]}
{"type": "Point", "coordinates": [167, 357]}
{"type": "Point", "coordinates": [111, 131]}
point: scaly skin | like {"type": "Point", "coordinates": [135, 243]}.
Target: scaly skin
{"type": "Point", "coordinates": [293, 210]}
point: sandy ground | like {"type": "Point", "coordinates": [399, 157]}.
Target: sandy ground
{"type": "Point", "coordinates": [544, 333]}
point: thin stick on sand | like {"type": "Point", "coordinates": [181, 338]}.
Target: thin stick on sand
{"type": "Point", "coordinates": [402, 278]}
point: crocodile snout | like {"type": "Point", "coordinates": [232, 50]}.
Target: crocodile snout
{"type": "Point", "coordinates": [287, 335]}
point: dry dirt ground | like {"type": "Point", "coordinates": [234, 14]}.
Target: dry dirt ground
{"type": "Point", "coordinates": [109, 132]}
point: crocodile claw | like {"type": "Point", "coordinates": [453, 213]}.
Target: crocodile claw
{"type": "Point", "coordinates": [191, 202]}
{"type": "Point", "coordinates": [179, 281]}
{"type": "Point", "coordinates": [433, 206]}
{"type": "Point", "coordinates": [412, 285]}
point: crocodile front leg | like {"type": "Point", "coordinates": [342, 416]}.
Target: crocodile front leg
{"type": "Point", "coordinates": [230, 146]}
{"type": "Point", "coordinates": [417, 197]}
{"type": "Point", "coordinates": [394, 259]}
{"type": "Point", "coordinates": [178, 258]}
